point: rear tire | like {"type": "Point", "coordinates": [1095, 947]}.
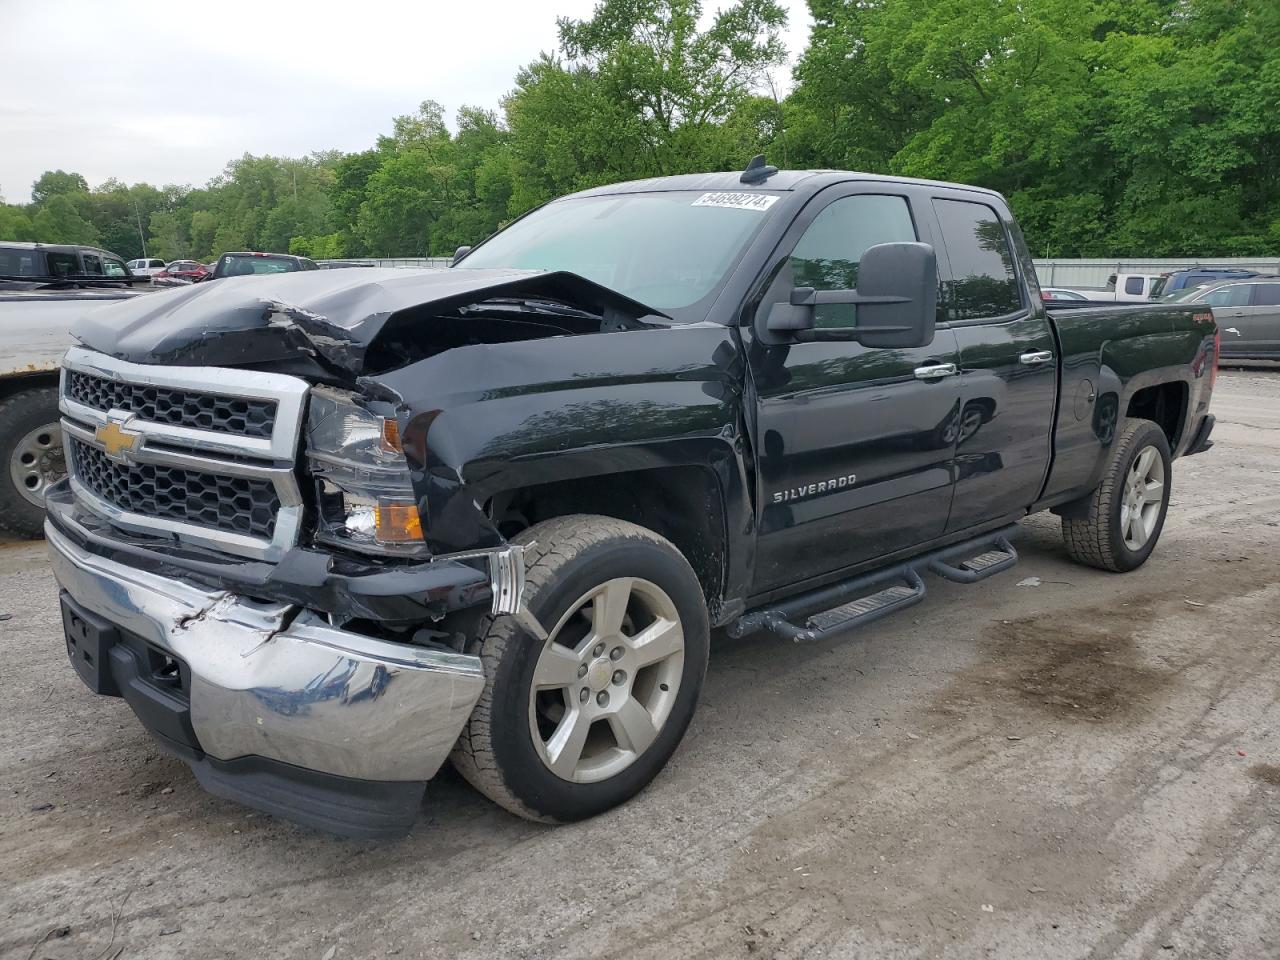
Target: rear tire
{"type": "Point", "coordinates": [31, 458]}
{"type": "Point", "coordinates": [569, 728]}
{"type": "Point", "coordinates": [1126, 513]}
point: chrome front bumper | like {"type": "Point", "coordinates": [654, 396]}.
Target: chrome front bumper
{"type": "Point", "coordinates": [275, 681]}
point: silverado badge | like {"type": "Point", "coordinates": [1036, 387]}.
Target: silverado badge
{"type": "Point", "coordinates": [115, 440]}
{"type": "Point", "coordinates": [813, 489]}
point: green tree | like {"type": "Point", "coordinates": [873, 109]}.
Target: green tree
{"type": "Point", "coordinates": [15, 224]}
{"type": "Point", "coordinates": [58, 221]}
{"type": "Point", "coordinates": [675, 81]}
{"type": "Point", "coordinates": [204, 229]}
{"type": "Point", "coordinates": [170, 238]}
{"type": "Point", "coordinates": [1147, 127]}
{"type": "Point", "coordinates": [638, 90]}
{"type": "Point", "coordinates": [56, 183]}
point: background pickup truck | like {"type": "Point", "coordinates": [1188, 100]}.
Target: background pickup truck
{"type": "Point", "coordinates": [42, 292]}
{"type": "Point", "coordinates": [325, 529]}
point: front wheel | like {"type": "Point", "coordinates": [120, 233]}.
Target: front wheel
{"type": "Point", "coordinates": [1126, 513]}
{"type": "Point", "coordinates": [569, 728]}
{"type": "Point", "coordinates": [31, 449]}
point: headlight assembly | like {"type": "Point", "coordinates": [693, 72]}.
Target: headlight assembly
{"type": "Point", "coordinates": [363, 484]}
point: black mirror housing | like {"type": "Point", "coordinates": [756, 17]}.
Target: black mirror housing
{"type": "Point", "coordinates": [459, 254]}
{"type": "Point", "coordinates": [897, 295]}
{"type": "Point", "coordinates": [897, 300]}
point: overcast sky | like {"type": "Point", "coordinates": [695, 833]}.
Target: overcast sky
{"type": "Point", "coordinates": [169, 92]}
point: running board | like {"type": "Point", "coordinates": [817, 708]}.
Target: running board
{"type": "Point", "coordinates": [998, 559]}
{"type": "Point", "coordinates": [842, 607]}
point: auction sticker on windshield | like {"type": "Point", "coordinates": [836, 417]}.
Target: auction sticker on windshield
{"type": "Point", "coordinates": [739, 201]}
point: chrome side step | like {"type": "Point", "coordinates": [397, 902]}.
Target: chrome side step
{"type": "Point", "coordinates": [842, 607]}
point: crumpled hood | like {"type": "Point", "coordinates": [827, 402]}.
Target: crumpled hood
{"type": "Point", "coordinates": [332, 316]}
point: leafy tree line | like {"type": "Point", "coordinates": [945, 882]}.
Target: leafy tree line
{"type": "Point", "coordinates": [1115, 127]}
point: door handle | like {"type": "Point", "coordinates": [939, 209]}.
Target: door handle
{"type": "Point", "coordinates": [936, 371]}
{"type": "Point", "coordinates": [1233, 330]}
{"type": "Point", "coordinates": [1036, 357]}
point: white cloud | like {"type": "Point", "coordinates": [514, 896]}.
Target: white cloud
{"type": "Point", "coordinates": [168, 93]}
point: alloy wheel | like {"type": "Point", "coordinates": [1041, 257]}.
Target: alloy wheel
{"type": "Point", "coordinates": [606, 680]}
{"type": "Point", "coordinates": [1143, 498]}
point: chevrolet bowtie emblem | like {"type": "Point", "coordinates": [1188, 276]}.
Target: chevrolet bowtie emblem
{"type": "Point", "coordinates": [116, 440]}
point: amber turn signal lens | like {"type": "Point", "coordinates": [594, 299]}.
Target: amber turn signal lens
{"type": "Point", "coordinates": [391, 436]}
{"type": "Point", "coordinates": [398, 523]}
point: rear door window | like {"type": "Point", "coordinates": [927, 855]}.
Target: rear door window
{"type": "Point", "coordinates": [1266, 294]}
{"type": "Point", "coordinates": [983, 280]}
{"type": "Point", "coordinates": [1236, 295]}
{"type": "Point", "coordinates": [1133, 285]}
{"type": "Point", "coordinates": [92, 264]}
{"type": "Point", "coordinates": [62, 264]}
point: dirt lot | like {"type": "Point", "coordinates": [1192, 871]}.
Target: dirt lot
{"type": "Point", "coordinates": [1088, 768]}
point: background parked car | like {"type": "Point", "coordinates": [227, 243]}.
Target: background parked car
{"type": "Point", "coordinates": [1132, 287]}
{"type": "Point", "coordinates": [1248, 314]}
{"type": "Point", "coordinates": [1059, 294]}
{"type": "Point", "coordinates": [181, 272]}
{"type": "Point", "coordinates": [147, 267]}
{"type": "Point", "coordinates": [42, 263]}
{"type": "Point", "coordinates": [1200, 276]}
{"type": "Point", "coordinates": [246, 263]}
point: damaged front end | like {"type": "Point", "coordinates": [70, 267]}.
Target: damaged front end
{"type": "Point", "coordinates": [245, 545]}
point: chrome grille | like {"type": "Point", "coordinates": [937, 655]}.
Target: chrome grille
{"type": "Point", "coordinates": [199, 411]}
{"type": "Point", "coordinates": [234, 504]}
{"type": "Point", "coordinates": [205, 455]}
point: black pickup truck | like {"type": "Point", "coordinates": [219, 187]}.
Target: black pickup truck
{"type": "Point", "coordinates": [324, 530]}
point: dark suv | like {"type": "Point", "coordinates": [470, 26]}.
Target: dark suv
{"type": "Point", "coordinates": [57, 262]}
{"type": "Point", "coordinates": [1199, 276]}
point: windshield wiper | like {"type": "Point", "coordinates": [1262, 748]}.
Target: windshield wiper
{"type": "Point", "coordinates": [532, 305]}
{"type": "Point", "coordinates": [63, 283]}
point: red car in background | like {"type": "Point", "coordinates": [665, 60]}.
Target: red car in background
{"type": "Point", "coordinates": [181, 272]}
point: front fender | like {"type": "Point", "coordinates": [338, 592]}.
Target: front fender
{"type": "Point", "coordinates": [482, 419]}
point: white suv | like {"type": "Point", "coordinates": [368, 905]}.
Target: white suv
{"type": "Point", "coordinates": [146, 268]}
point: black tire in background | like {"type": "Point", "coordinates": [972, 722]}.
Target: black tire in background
{"type": "Point", "coordinates": [502, 751]}
{"type": "Point", "coordinates": [31, 458]}
{"type": "Point", "coordinates": [1101, 538]}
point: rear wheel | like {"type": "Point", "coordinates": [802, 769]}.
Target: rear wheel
{"type": "Point", "coordinates": [568, 728]}
{"type": "Point", "coordinates": [1126, 513]}
{"type": "Point", "coordinates": [31, 450]}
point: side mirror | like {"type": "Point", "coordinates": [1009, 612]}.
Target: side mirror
{"type": "Point", "coordinates": [459, 254]}
{"type": "Point", "coordinates": [897, 301]}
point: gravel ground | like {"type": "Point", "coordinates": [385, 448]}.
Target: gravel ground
{"type": "Point", "coordinates": [1088, 768]}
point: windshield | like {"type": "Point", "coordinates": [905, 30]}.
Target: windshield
{"type": "Point", "coordinates": [670, 251]}
{"type": "Point", "coordinates": [1185, 294]}
{"type": "Point", "coordinates": [233, 266]}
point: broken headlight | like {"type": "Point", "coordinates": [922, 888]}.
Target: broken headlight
{"type": "Point", "coordinates": [362, 479]}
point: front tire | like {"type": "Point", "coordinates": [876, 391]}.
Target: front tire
{"type": "Point", "coordinates": [569, 728]}
{"type": "Point", "coordinates": [32, 458]}
{"type": "Point", "coordinates": [1126, 513]}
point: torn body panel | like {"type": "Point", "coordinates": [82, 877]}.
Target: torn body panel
{"type": "Point", "coordinates": [331, 319]}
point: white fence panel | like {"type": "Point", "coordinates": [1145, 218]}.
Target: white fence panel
{"type": "Point", "coordinates": [1093, 274]}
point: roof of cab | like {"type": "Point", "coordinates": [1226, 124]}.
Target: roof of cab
{"type": "Point", "coordinates": [55, 247]}
{"type": "Point", "coordinates": [783, 180]}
